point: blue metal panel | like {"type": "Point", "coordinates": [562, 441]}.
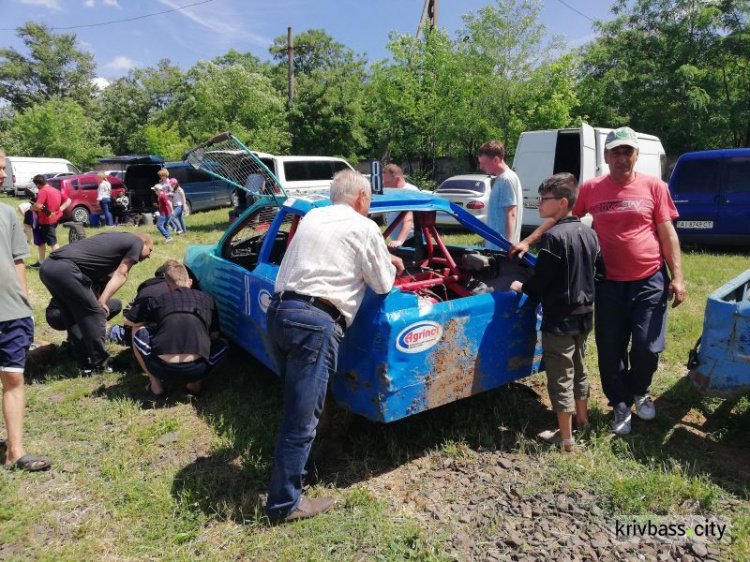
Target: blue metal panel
{"type": "Point", "coordinates": [724, 355]}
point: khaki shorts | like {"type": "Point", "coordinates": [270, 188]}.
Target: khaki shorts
{"type": "Point", "coordinates": [567, 379]}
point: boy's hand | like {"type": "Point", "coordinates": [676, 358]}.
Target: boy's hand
{"type": "Point", "coordinates": [516, 286]}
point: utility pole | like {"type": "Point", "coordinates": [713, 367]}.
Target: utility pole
{"type": "Point", "coordinates": [429, 19]}
{"type": "Point", "coordinates": [290, 57]}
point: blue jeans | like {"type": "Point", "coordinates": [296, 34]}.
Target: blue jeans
{"type": "Point", "coordinates": [105, 204]}
{"type": "Point", "coordinates": [161, 223]}
{"type": "Point", "coordinates": [304, 343]}
{"type": "Point", "coordinates": [178, 218]}
{"type": "Point", "coordinates": [630, 313]}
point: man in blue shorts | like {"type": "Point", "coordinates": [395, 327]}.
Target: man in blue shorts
{"type": "Point", "coordinates": [16, 334]}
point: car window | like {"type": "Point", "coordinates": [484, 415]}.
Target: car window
{"type": "Point", "coordinates": [244, 245]}
{"type": "Point", "coordinates": [72, 169]}
{"type": "Point", "coordinates": [89, 185]}
{"type": "Point", "coordinates": [308, 170]}
{"type": "Point", "coordinates": [57, 184]}
{"type": "Point", "coordinates": [338, 166]}
{"type": "Point", "coordinates": [478, 186]}
{"type": "Point", "coordinates": [180, 174]}
{"type": "Point", "coordinates": [696, 176]}
{"type": "Point", "coordinates": [738, 174]}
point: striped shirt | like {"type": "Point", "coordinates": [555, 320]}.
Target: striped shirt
{"type": "Point", "coordinates": [334, 254]}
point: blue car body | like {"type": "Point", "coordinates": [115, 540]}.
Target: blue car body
{"type": "Point", "coordinates": [711, 190]}
{"type": "Point", "coordinates": [404, 353]}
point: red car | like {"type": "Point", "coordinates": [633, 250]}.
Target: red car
{"type": "Point", "coordinates": [82, 190]}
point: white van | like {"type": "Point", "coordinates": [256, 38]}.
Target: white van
{"type": "Point", "coordinates": [26, 167]}
{"type": "Point", "coordinates": [303, 174]}
{"type": "Point", "coordinates": [540, 154]}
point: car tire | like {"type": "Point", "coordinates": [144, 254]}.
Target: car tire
{"type": "Point", "coordinates": [81, 214]}
{"type": "Point", "coordinates": [76, 233]}
{"type": "Point", "coordinates": [187, 209]}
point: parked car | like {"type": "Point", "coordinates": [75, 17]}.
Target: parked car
{"type": "Point", "coordinates": [49, 176]}
{"type": "Point", "coordinates": [580, 151]}
{"type": "Point", "coordinates": [449, 329]}
{"type": "Point", "coordinates": [25, 168]}
{"type": "Point", "coordinates": [469, 191]}
{"type": "Point", "coordinates": [711, 190]}
{"type": "Point", "coordinates": [303, 174]}
{"type": "Point", "coordinates": [202, 190]}
{"type": "Point", "coordinates": [82, 190]}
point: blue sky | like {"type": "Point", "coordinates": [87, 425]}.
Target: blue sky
{"type": "Point", "coordinates": [210, 29]}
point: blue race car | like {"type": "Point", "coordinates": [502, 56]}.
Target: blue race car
{"type": "Point", "coordinates": [450, 328]}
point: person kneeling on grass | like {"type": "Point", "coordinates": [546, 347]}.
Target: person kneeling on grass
{"type": "Point", "coordinates": [176, 334]}
{"type": "Point", "coordinates": [567, 264]}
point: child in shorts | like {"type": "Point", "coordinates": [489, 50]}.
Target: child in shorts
{"type": "Point", "coordinates": [568, 260]}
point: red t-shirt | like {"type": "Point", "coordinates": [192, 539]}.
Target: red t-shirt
{"type": "Point", "coordinates": [625, 219]}
{"type": "Point", "coordinates": [164, 209]}
{"type": "Point", "coordinates": [52, 198]}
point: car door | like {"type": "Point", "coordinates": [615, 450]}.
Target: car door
{"type": "Point", "coordinates": [695, 188]}
{"type": "Point", "coordinates": [734, 201]}
{"type": "Point", "coordinates": [88, 192]}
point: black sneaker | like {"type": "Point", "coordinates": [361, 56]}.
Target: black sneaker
{"type": "Point", "coordinates": [36, 265]}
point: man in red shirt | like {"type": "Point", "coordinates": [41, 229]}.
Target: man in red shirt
{"type": "Point", "coordinates": [633, 216]}
{"type": "Point", "coordinates": [49, 205]}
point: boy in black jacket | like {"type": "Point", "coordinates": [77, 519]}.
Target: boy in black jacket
{"type": "Point", "coordinates": [567, 262]}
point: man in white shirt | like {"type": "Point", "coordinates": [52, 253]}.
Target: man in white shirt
{"type": "Point", "coordinates": [393, 180]}
{"type": "Point", "coordinates": [335, 254]}
{"type": "Point", "coordinates": [506, 200]}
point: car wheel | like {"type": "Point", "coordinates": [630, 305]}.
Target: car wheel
{"type": "Point", "coordinates": [76, 233]}
{"type": "Point", "coordinates": [187, 209]}
{"type": "Point", "coordinates": [81, 214]}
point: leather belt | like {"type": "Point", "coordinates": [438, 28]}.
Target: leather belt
{"type": "Point", "coordinates": [317, 302]}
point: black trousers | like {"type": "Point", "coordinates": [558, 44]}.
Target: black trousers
{"type": "Point", "coordinates": [84, 318]}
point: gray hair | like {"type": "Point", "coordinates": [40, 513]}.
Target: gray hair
{"type": "Point", "coordinates": [347, 185]}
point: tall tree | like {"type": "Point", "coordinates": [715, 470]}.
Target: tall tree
{"type": "Point", "coordinates": [674, 68]}
{"type": "Point", "coordinates": [327, 114]}
{"type": "Point", "coordinates": [59, 128]}
{"type": "Point", "coordinates": [53, 68]}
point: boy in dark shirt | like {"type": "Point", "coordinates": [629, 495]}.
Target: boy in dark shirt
{"type": "Point", "coordinates": [563, 280]}
{"type": "Point", "coordinates": [176, 334]}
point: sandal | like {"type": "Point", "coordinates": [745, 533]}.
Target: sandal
{"type": "Point", "coordinates": [553, 438]}
{"type": "Point", "coordinates": [32, 464]}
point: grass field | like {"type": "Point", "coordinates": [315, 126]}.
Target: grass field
{"type": "Point", "coordinates": [184, 479]}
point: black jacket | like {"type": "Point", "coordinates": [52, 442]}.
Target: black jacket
{"type": "Point", "coordinates": [567, 264]}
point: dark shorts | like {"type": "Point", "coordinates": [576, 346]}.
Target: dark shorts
{"type": "Point", "coordinates": [16, 337]}
{"type": "Point", "coordinates": [47, 234]}
{"type": "Point", "coordinates": [177, 372]}
{"type": "Point", "coordinates": [28, 218]}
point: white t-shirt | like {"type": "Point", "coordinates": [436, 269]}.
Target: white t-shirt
{"type": "Point", "coordinates": [391, 217]}
{"type": "Point", "coordinates": [334, 254]}
{"type": "Point", "coordinates": [104, 191]}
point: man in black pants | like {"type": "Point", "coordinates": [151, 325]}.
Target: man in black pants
{"type": "Point", "coordinates": [69, 274]}
{"type": "Point", "coordinates": [176, 334]}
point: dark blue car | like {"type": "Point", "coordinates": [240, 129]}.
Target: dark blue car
{"type": "Point", "coordinates": [711, 190]}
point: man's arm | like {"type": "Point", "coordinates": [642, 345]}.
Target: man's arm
{"type": "Point", "coordinates": [118, 279]}
{"type": "Point", "coordinates": [511, 213]}
{"type": "Point", "coordinates": [21, 274]}
{"type": "Point", "coordinates": [523, 246]}
{"type": "Point", "coordinates": [407, 224]}
{"type": "Point", "coordinates": [65, 204]}
{"type": "Point", "coordinates": [670, 248]}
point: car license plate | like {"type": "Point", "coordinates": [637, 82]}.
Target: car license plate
{"type": "Point", "coordinates": [696, 225]}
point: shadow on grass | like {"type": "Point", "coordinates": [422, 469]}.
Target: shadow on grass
{"type": "Point", "coordinates": [707, 435]}
{"type": "Point", "coordinates": [243, 405]}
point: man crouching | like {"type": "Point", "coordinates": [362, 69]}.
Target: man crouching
{"type": "Point", "coordinates": [176, 334]}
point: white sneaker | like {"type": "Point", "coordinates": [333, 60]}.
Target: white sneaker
{"type": "Point", "coordinates": [644, 407]}
{"type": "Point", "coordinates": [621, 423]}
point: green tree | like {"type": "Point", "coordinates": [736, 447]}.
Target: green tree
{"type": "Point", "coordinates": [327, 114]}
{"type": "Point", "coordinates": [674, 68]}
{"type": "Point", "coordinates": [165, 141]}
{"type": "Point", "coordinates": [231, 97]}
{"type": "Point", "coordinates": [53, 68]}
{"type": "Point", "coordinates": [59, 128]}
